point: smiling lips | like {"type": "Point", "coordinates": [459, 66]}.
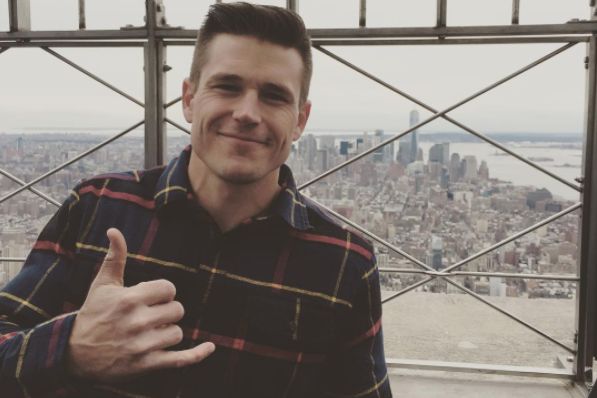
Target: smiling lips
{"type": "Point", "coordinates": [242, 137]}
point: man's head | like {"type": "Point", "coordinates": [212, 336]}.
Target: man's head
{"type": "Point", "coordinates": [247, 95]}
{"type": "Point", "coordinates": [267, 23]}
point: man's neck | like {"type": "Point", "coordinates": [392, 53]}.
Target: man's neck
{"type": "Point", "coordinates": [230, 204]}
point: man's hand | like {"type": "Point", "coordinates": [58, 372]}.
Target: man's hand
{"type": "Point", "coordinates": [123, 331]}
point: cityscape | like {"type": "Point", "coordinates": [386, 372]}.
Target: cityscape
{"type": "Point", "coordinates": [437, 205]}
{"type": "Point", "coordinates": [439, 210]}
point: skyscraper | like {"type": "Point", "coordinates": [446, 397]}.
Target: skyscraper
{"type": "Point", "coordinates": [414, 139]}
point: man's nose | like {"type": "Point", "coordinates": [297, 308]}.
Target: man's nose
{"type": "Point", "coordinates": [247, 109]}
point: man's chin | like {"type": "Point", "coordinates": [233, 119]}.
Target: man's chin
{"type": "Point", "coordinates": [240, 177]}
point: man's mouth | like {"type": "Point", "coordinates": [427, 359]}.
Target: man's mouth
{"type": "Point", "coordinates": [242, 137]}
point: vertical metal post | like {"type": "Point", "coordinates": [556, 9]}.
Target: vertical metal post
{"type": "Point", "coordinates": [442, 13]}
{"type": "Point", "coordinates": [292, 5]}
{"type": "Point", "coordinates": [587, 289]}
{"type": "Point", "coordinates": [19, 15]}
{"type": "Point", "coordinates": [515, 12]}
{"type": "Point", "coordinates": [363, 13]}
{"type": "Point", "coordinates": [155, 86]}
{"type": "Point", "coordinates": [82, 21]}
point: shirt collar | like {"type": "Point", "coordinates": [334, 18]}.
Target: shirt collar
{"type": "Point", "coordinates": [173, 186]}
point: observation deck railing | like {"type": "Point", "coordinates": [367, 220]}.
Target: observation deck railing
{"type": "Point", "coordinates": [156, 35]}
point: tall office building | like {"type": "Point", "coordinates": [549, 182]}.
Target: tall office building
{"type": "Point", "coordinates": [470, 167]}
{"type": "Point", "coordinates": [414, 139]}
{"type": "Point", "coordinates": [454, 167]}
{"type": "Point", "coordinates": [436, 252]}
{"type": "Point", "coordinates": [408, 147]}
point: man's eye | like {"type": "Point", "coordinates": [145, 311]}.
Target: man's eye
{"type": "Point", "coordinates": [274, 96]}
{"type": "Point", "coordinates": [228, 87]}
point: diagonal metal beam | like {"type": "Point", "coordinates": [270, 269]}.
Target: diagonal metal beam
{"type": "Point", "coordinates": [449, 119]}
{"type": "Point", "coordinates": [513, 237]}
{"type": "Point", "coordinates": [439, 114]}
{"type": "Point", "coordinates": [178, 126]}
{"type": "Point", "coordinates": [407, 289]}
{"type": "Point", "coordinates": [93, 76]}
{"type": "Point", "coordinates": [552, 277]}
{"type": "Point", "coordinates": [445, 273]}
{"type": "Point", "coordinates": [510, 315]}
{"type": "Point", "coordinates": [485, 301]}
{"type": "Point", "coordinates": [34, 190]}
{"type": "Point", "coordinates": [174, 101]}
{"type": "Point", "coordinates": [68, 163]}
{"type": "Point", "coordinates": [2, 49]}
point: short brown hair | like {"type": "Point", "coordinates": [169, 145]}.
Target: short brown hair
{"type": "Point", "coordinates": [268, 23]}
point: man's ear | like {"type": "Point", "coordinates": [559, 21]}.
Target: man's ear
{"type": "Point", "coordinates": [304, 112]}
{"type": "Point", "coordinates": [188, 91]}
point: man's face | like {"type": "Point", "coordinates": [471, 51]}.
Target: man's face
{"type": "Point", "coordinates": [245, 110]}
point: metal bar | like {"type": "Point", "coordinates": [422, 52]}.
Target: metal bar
{"type": "Point", "coordinates": [515, 12]}
{"type": "Point", "coordinates": [587, 294]}
{"type": "Point", "coordinates": [509, 315]}
{"type": "Point", "coordinates": [2, 49]}
{"type": "Point", "coordinates": [435, 274]}
{"type": "Point", "coordinates": [571, 278]}
{"type": "Point", "coordinates": [34, 190]}
{"type": "Point", "coordinates": [442, 13]}
{"type": "Point", "coordinates": [68, 163]}
{"type": "Point", "coordinates": [448, 118]}
{"type": "Point", "coordinates": [292, 5]}
{"type": "Point", "coordinates": [374, 237]}
{"type": "Point", "coordinates": [19, 15]}
{"type": "Point", "coordinates": [363, 13]}
{"type": "Point", "coordinates": [406, 290]}
{"type": "Point", "coordinates": [82, 21]}
{"type": "Point", "coordinates": [13, 259]}
{"type": "Point", "coordinates": [450, 31]}
{"type": "Point", "coordinates": [174, 101]}
{"type": "Point", "coordinates": [479, 368]}
{"type": "Point", "coordinates": [514, 237]}
{"type": "Point", "coordinates": [437, 114]}
{"type": "Point", "coordinates": [587, 27]}
{"type": "Point", "coordinates": [155, 88]}
{"type": "Point", "coordinates": [77, 44]}
{"type": "Point", "coordinates": [121, 34]}
{"type": "Point", "coordinates": [418, 42]}
{"type": "Point", "coordinates": [93, 76]}
{"type": "Point", "coordinates": [178, 126]}
{"type": "Point", "coordinates": [571, 28]}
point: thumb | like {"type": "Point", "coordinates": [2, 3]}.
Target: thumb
{"type": "Point", "coordinates": [112, 269]}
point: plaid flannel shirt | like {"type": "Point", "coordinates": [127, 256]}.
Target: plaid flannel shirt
{"type": "Point", "coordinates": [290, 298]}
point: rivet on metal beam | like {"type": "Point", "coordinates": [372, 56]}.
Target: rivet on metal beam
{"type": "Point", "coordinates": [515, 12]}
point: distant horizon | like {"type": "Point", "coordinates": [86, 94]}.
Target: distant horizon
{"type": "Point", "coordinates": [450, 136]}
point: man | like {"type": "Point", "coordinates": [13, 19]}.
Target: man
{"type": "Point", "coordinates": [218, 249]}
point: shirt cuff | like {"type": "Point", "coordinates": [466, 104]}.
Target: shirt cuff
{"type": "Point", "coordinates": [41, 369]}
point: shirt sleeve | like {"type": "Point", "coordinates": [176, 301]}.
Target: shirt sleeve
{"type": "Point", "coordinates": [34, 328]}
{"type": "Point", "coordinates": [358, 368]}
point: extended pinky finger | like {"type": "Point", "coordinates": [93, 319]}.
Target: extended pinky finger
{"type": "Point", "coordinates": [176, 359]}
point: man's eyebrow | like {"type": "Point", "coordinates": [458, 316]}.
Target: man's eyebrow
{"type": "Point", "coordinates": [225, 77]}
{"type": "Point", "coordinates": [278, 89]}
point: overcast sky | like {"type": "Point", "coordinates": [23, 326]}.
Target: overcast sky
{"type": "Point", "coordinates": [37, 91]}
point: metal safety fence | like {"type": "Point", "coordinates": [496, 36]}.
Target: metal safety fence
{"type": "Point", "coordinates": [156, 36]}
